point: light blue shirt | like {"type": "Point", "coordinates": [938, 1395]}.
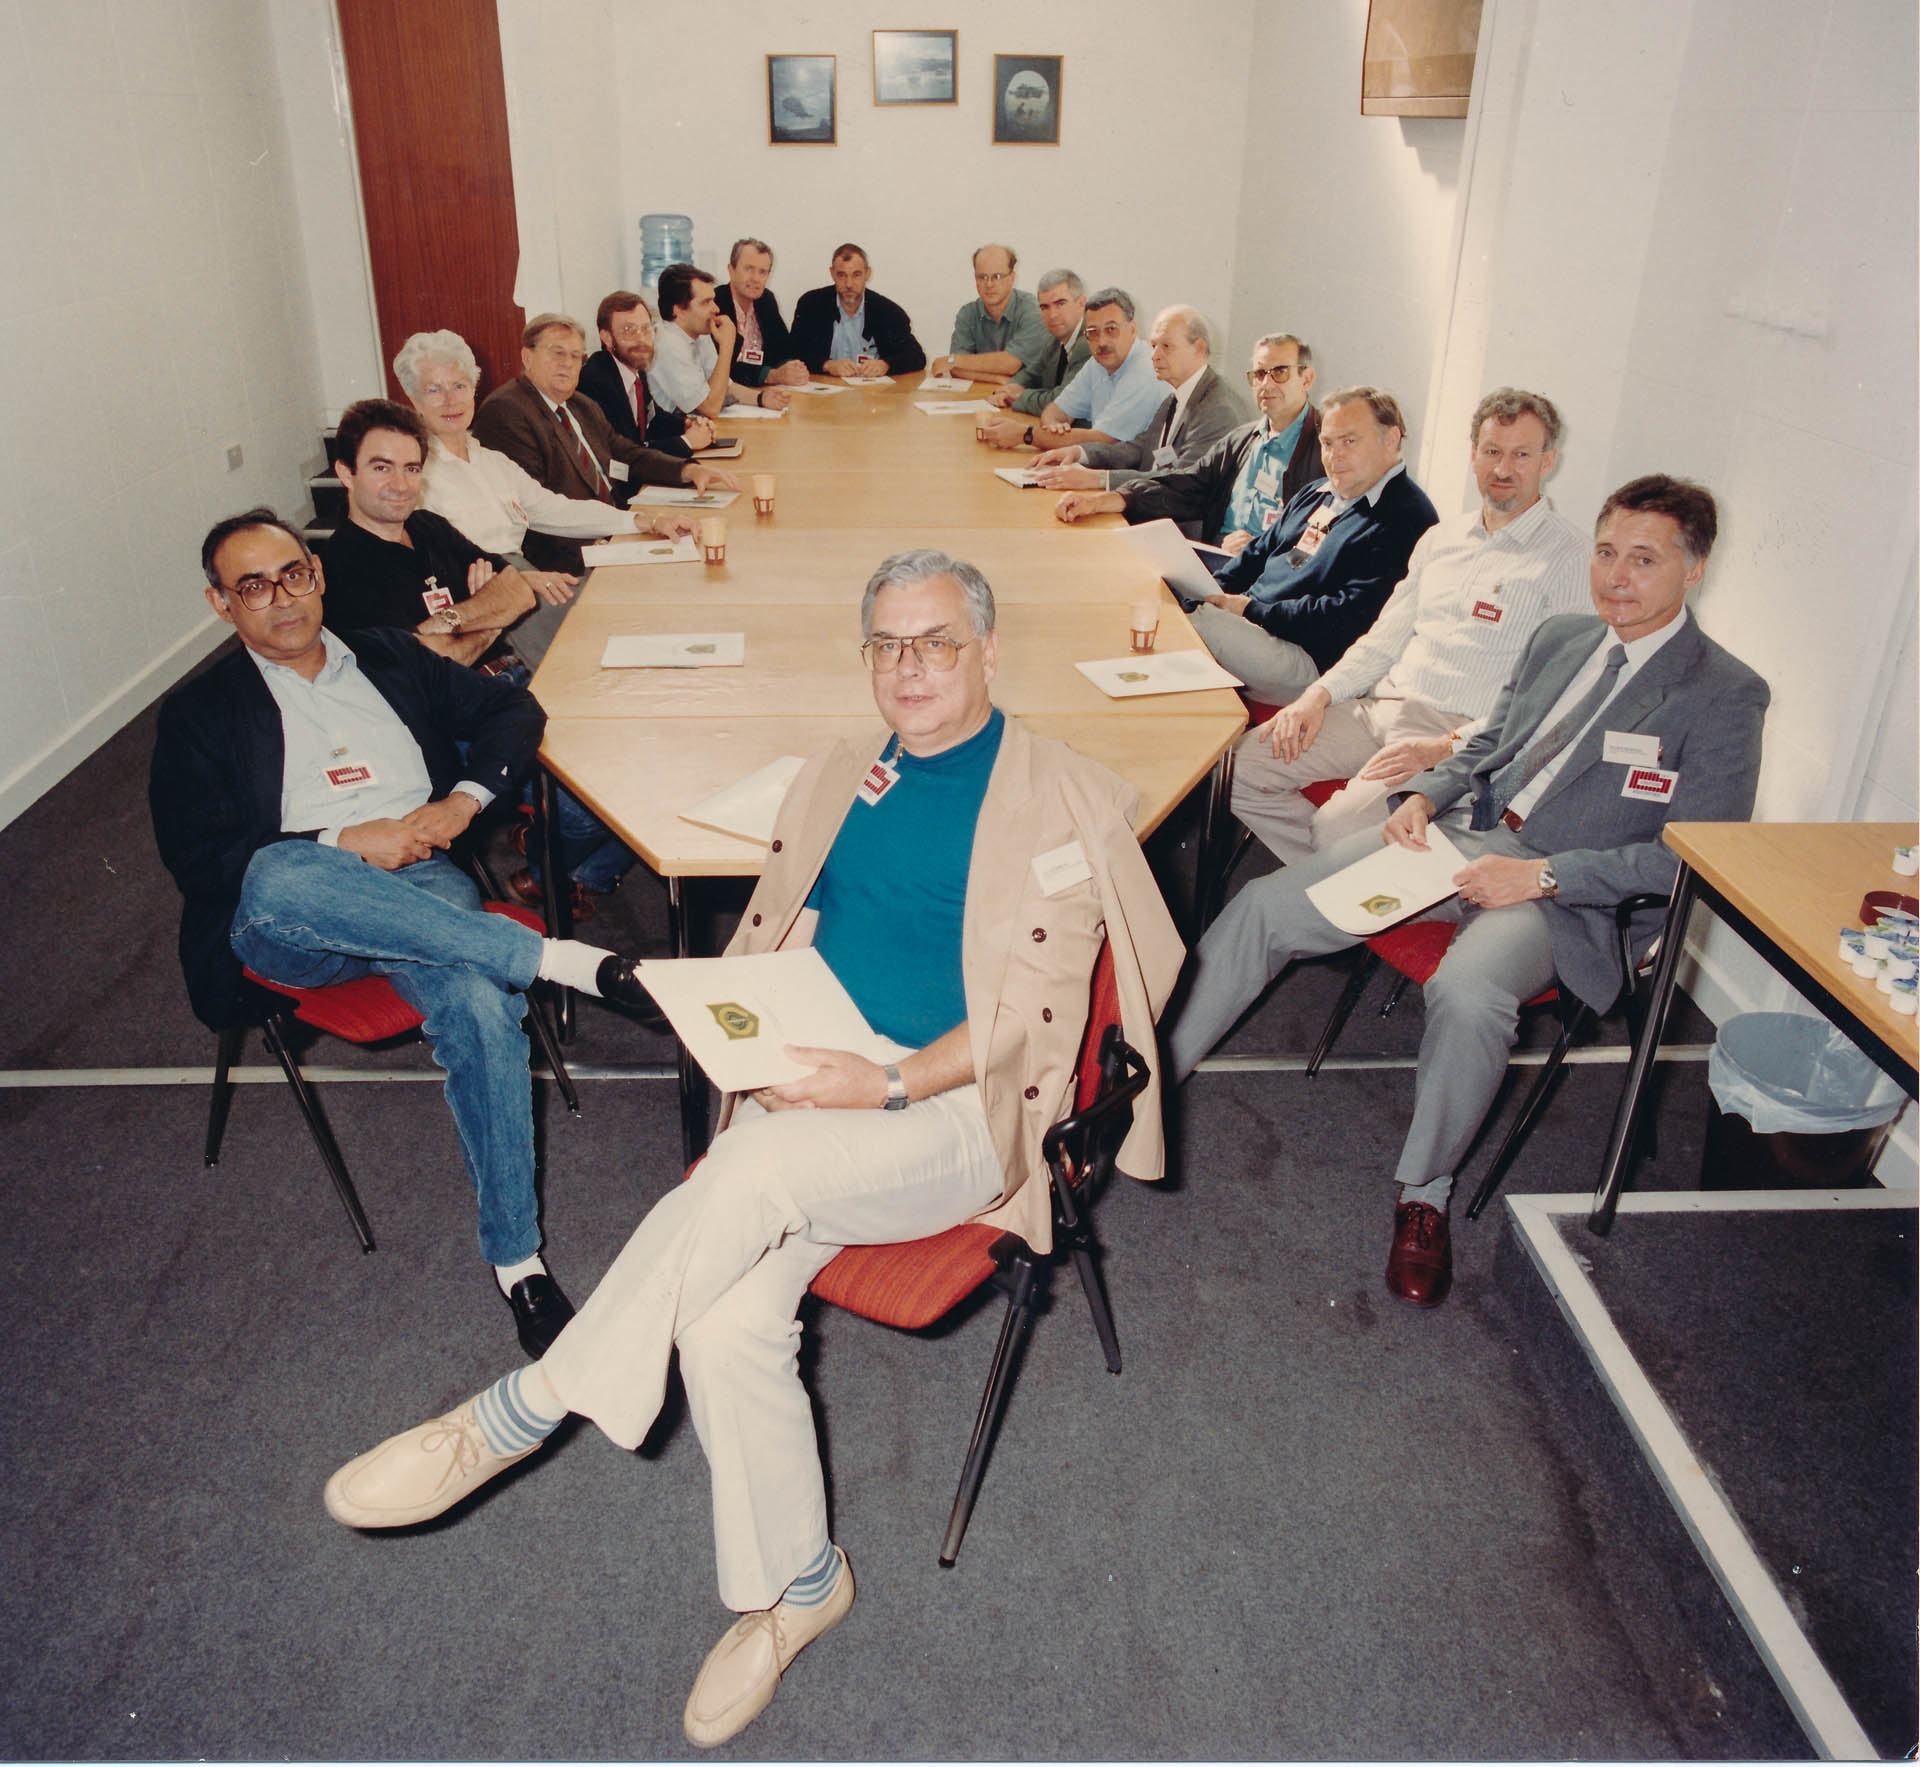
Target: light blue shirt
{"type": "Point", "coordinates": [1258, 492]}
{"type": "Point", "coordinates": [340, 720]}
{"type": "Point", "coordinates": [1121, 404]}
{"type": "Point", "coordinates": [850, 340]}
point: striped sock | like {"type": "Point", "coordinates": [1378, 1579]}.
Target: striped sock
{"type": "Point", "coordinates": [816, 1582]}
{"type": "Point", "coordinates": [519, 1411]}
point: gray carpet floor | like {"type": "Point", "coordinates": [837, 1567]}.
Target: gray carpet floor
{"type": "Point", "coordinates": [1305, 1522]}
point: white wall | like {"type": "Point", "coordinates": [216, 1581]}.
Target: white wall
{"type": "Point", "coordinates": [1133, 195]}
{"type": "Point", "coordinates": [155, 282]}
{"type": "Point", "coordinates": [1344, 221]}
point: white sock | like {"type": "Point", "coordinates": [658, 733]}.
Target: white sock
{"type": "Point", "coordinates": [508, 1274]}
{"type": "Point", "coordinates": [573, 964]}
{"type": "Point", "coordinates": [1434, 1192]}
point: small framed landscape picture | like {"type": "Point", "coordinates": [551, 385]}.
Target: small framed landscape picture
{"type": "Point", "coordinates": [1026, 98]}
{"type": "Point", "coordinates": [914, 67]}
{"type": "Point", "coordinates": [800, 98]}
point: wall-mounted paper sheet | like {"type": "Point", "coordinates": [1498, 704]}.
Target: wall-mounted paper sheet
{"type": "Point", "coordinates": [748, 807]}
{"type": "Point", "coordinates": [1389, 886]}
{"type": "Point", "coordinates": [675, 650]}
{"type": "Point", "coordinates": [1164, 671]}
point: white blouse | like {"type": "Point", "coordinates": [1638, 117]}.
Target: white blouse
{"type": "Point", "coordinates": [494, 500]}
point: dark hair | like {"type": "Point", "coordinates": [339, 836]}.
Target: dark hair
{"type": "Point", "coordinates": [850, 250]}
{"type": "Point", "coordinates": [1690, 506]}
{"type": "Point", "coordinates": [1509, 405]}
{"type": "Point", "coordinates": [1384, 406]}
{"type": "Point", "coordinates": [222, 531]}
{"type": "Point", "coordinates": [622, 300]}
{"type": "Point", "coordinates": [1112, 297]}
{"type": "Point", "coordinates": [364, 416]}
{"type": "Point", "coordinates": [676, 287]}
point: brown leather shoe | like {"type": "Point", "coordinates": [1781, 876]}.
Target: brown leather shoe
{"type": "Point", "coordinates": [525, 889]}
{"type": "Point", "coordinates": [1420, 1266]}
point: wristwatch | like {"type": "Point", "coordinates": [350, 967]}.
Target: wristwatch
{"type": "Point", "coordinates": [1028, 438]}
{"type": "Point", "coordinates": [1548, 884]}
{"type": "Point", "coordinates": [897, 1099]}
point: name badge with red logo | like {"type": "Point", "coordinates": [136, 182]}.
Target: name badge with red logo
{"type": "Point", "coordinates": [349, 776]}
{"type": "Point", "coordinates": [438, 600]}
{"type": "Point", "coordinates": [1488, 611]}
{"type": "Point", "coordinates": [880, 780]}
{"type": "Point", "coordinates": [1652, 785]}
{"type": "Point", "coordinates": [752, 354]}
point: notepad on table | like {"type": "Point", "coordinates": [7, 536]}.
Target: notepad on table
{"type": "Point", "coordinates": [1165, 671]}
{"type": "Point", "coordinates": [682, 497]}
{"type": "Point", "coordinates": [655, 551]}
{"type": "Point", "coordinates": [944, 383]}
{"type": "Point", "coordinates": [675, 650]}
{"type": "Point", "coordinates": [953, 407]}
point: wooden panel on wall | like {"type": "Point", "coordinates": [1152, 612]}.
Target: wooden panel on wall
{"type": "Point", "coordinates": [436, 174]}
{"type": "Point", "coordinates": [1419, 58]}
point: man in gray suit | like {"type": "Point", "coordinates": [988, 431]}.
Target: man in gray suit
{"type": "Point", "coordinates": [1609, 727]}
{"type": "Point", "coordinates": [1197, 413]}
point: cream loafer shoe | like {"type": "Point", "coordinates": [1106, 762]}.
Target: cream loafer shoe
{"type": "Point", "coordinates": [417, 1475]}
{"type": "Point", "coordinates": [743, 1670]}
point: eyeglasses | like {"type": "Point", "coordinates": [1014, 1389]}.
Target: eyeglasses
{"type": "Point", "coordinates": [1279, 376]}
{"type": "Point", "coordinates": [932, 650]}
{"type": "Point", "coordinates": [446, 389]}
{"type": "Point", "coordinates": [255, 593]}
{"type": "Point", "coordinates": [993, 276]}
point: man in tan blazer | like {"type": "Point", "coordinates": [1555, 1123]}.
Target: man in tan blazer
{"type": "Point", "coordinates": [959, 877]}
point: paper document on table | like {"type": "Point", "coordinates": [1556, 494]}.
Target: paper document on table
{"type": "Point", "coordinates": [747, 807]}
{"type": "Point", "coordinates": [737, 1015]}
{"type": "Point", "coordinates": [1163, 671]}
{"type": "Point", "coordinates": [1017, 475]}
{"type": "Point", "coordinates": [1169, 555]}
{"type": "Point", "coordinates": [868, 380]}
{"type": "Point", "coordinates": [729, 412]}
{"type": "Point", "coordinates": [724, 448]}
{"type": "Point", "coordinates": [816, 386]}
{"type": "Point", "coordinates": [944, 383]}
{"type": "Point", "coordinates": [675, 650]}
{"type": "Point", "coordinates": [682, 497]}
{"type": "Point", "coordinates": [1388, 886]}
{"type": "Point", "coordinates": [679, 551]}
{"type": "Point", "coordinates": [953, 407]}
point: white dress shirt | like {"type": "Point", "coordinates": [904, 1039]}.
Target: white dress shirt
{"type": "Point", "coordinates": [494, 500]}
{"type": "Point", "coordinates": [681, 364]}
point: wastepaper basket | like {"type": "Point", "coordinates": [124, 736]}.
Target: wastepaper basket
{"type": "Point", "coordinates": [1795, 1106]}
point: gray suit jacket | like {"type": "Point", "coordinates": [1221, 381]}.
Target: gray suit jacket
{"type": "Point", "coordinates": [1703, 705]}
{"type": "Point", "coordinates": [1213, 408]}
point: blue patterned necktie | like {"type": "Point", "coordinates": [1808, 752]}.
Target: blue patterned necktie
{"type": "Point", "coordinates": [1525, 767]}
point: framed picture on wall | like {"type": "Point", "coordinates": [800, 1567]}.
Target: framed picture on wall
{"type": "Point", "coordinates": [1026, 98]}
{"type": "Point", "coordinates": [800, 98]}
{"type": "Point", "coordinates": [915, 67]}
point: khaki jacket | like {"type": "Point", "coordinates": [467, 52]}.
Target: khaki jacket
{"type": "Point", "coordinates": [1027, 958]}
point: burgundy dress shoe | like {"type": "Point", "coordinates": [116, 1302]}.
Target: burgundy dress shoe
{"type": "Point", "coordinates": [526, 889]}
{"type": "Point", "coordinates": [1420, 1266]}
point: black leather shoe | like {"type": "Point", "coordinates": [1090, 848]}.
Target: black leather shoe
{"type": "Point", "coordinates": [540, 1312]}
{"type": "Point", "coordinates": [618, 980]}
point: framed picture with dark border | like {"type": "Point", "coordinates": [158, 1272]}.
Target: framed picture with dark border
{"type": "Point", "coordinates": [800, 99]}
{"type": "Point", "coordinates": [1026, 98]}
{"type": "Point", "coordinates": [915, 67]}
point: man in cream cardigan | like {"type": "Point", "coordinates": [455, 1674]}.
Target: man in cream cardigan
{"type": "Point", "coordinates": [959, 877]}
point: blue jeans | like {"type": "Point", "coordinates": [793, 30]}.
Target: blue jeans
{"type": "Point", "coordinates": [590, 852]}
{"type": "Point", "coordinates": [311, 915]}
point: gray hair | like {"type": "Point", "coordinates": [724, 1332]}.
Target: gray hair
{"type": "Point", "coordinates": [1063, 278]}
{"type": "Point", "coordinates": [541, 323]}
{"type": "Point", "coordinates": [907, 570]}
{"type": "Point", "coordinates": [1276, 339]}
{"type": "Point", "coordinates": [1197, 329]}
{"type": "Point", "coordinates": [1112, 297]}
{"type": "Point", "coordinates": [423, 349]}
{"type": "Point", "coordinates": [1381, 405]}
{"type": "Point", "coordinates": [749, 244]}
{"type": "Point", "coordinates": [1509, 405]}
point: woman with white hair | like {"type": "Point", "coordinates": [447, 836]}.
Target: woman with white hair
{"type": "Point", "coordinates": [494, 500]}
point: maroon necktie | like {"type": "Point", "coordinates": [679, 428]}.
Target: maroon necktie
{"type": "Point", "coordinates": [583, 455]}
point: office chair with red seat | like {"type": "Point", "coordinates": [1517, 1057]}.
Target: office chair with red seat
{"type": "Point", "coordinates": [1413, 950]}
{"type": "Point", "coordinates": [366, 1010]}
{"type": "Point", "coordinates": [912, 1284]}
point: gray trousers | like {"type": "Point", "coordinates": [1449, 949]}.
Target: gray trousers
{"type": "Point", "coordinates": [1501, 957]}
{"type": "Point", "coordinates": [532, 635]}
{"type": "Point", "coordinates": [1274, 669]}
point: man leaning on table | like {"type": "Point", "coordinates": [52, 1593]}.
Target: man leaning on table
{"type": "Point", "coordinates": [848, 330]}
{"type": "Point", "coordinates": [1197, 413]}
{"type": "Point", "coordinates": [1609, 727]}
{"type": "Point", "coordinates": [765, 356]}
{"type": "Point", "coordinates": [960, 877]}
{"type": "Point", "coordinates": [1424, 677]}
{"type": "Point", "coordinates": [1113, 398]}
{"type": "Point", "coordinates": [1239, 485]}
{"type": "Point", "coordinates": [999, 332]}
{"type": "Point", "coordinates": [1061, 298]}
{"type": "Point", "coordinates": [693, 354]}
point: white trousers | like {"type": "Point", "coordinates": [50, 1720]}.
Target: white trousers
{"type": "Point", "coordinates": [719, 1267]}
{"type": "Point", "coordinates": [1266, 790]}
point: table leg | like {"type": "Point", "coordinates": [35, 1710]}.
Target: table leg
{"type": "Point", "coordinates": [694, 1130]}
{"type": "Point", "coordinates": [1209, 881]}
{"type": "Point", "coordinates": [559, 891]}
{"type": "Point", "coordinates": [1626, 1117]}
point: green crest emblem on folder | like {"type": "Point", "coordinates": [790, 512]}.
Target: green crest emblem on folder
{"type": "Point", "coordinates": [1384, 907]}
{"type": "Point", "coordinates": [738, 1023]}
{"type": "Point", "coordinates": [1132, 675]}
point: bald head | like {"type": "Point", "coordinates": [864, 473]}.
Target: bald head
{"type": "Point", "coordinates": [1179, 342]}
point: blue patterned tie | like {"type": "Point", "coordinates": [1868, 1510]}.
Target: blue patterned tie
{"type": "Point", "coordinates": [1525, 767]}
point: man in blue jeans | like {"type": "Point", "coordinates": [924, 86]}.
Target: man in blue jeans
{"type": "Point", "coordinates": [305, 794]}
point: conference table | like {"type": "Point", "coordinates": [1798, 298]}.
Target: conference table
{"type": "Point", "coordinates": [859, 474]}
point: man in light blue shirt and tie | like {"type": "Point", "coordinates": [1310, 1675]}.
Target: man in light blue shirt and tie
{"type": "Point", "coordinates": [1117, 393]}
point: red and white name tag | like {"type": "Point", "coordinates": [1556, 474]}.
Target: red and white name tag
{"type": "Point", "coordinates": [880, 780]}
{"type": "Point", "coordinates": [349, 776]}
{"type": "Point", "coordinates": [438, 600]}
{"type": "Point", "coordinates": [752, 354]}
{"type": "Point", "coordinates": [1488, 611]}
{"type": "Point", "coordinates": [1653, 785]}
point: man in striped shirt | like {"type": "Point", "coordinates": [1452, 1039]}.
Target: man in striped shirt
{"type": "Point", "coordinates": [1427, 673]}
